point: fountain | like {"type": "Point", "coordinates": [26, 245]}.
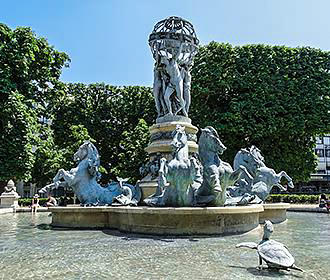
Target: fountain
{"type": "Point", "coordinates": [187, 189]}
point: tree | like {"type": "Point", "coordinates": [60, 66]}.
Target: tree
{"type": "Point", "coordinates": [29, 68]}
{"type": "Point", "coordinates": [17, 138]}
{"type": "Point", "coordinates": [274, 97]}
{"type": "Point", "coordinates": [110, 115]}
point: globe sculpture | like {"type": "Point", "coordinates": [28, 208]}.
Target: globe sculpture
{"type": "Point", "coordinates": [173, 44]}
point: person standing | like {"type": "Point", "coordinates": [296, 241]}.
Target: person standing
{"type": "Point", "coordinates": [35, 203]}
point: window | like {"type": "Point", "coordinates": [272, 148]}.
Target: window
{"type": "Point", "coordinates": [319, 152]}
{"type": "Point", "coordinates": [319, 140]}
{"type": "Point", "coordinates": [327, 152]}
{"type": "Point", "coordinates": [326, 140]}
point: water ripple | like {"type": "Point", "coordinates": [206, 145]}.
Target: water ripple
{"type": "Point", "coordinates": [29, 249]}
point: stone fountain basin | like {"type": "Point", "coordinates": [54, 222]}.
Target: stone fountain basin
{"type": "Point", "coordinates": [275, 212]}
{"type": "Point", "coordinates": [170, 220]}
{"type": "Point", "coordinates": [161, 221]}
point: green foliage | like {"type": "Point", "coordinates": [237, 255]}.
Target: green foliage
{"type": "Point", "coordinates": [48, 157]}
{"type": "Point", "coordinates": [116, 117]}
{"type": "Point", "coordinates": [25, 202]}
{"type": "Point", "coordinates": [18, 128]}
{"type": "Point", "coordinates": [294, 198]}
{"type": "Point", "coordinates": [133, 155]}
{"type": "Point", "coordinates": [29, 68]}
{"type": "Point", "coordinates": [28, 64]}
{"type": "Point", "coordinates": [274, 97]}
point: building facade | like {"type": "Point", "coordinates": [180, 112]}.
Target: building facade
{"type": "Point", "coordinates": [320, 180]}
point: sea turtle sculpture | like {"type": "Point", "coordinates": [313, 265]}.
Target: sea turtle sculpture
{"type": "Point", "coordinates": [275, 254]}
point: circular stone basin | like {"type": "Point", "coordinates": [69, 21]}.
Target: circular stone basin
{"type": "Point", "coordinates": [274, 212]}
{"type": "Point", "coordinates": [161, 221]}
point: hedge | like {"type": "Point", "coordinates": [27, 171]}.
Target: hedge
{"type": "Point", "coordinates": [294, 198]}
{"type": "Point", "coordinates": [24, 202]}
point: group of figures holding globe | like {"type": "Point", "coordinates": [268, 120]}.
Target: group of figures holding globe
{"type": "Point", "coordinates": [173, 44]}
{"type": "Point", "coordinates": [172, 82]}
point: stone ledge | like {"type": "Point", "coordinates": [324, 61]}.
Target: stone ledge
{"type": "Point", "coordinates": [28, 209]}
{"type": "Point", "coordinates": [165, 146]}
{"type": "Point", "coordinates": [275, 212]}
{"type": "Point", "coordinates": [6, 210]}
{"type": "Point", "coordinates": [256, 208]}
{"type": "Point", "coordinates": [269, 206]}
{"type": "Point", "coordinates": [307, 208]}
{"type": "Point", "coordinates": [161, 221]}
{"type": "Point", "coordinates": [170, 126]}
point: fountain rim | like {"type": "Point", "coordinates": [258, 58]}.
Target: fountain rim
{"type": "Point", "coordinates": [256, 208]}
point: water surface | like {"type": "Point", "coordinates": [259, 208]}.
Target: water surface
{"type": "Point", "coordinates": [30, 249]}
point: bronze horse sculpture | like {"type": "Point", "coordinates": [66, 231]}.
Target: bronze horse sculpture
{"type": "Point", "coordinates": [178, 178]}
{"type": "Point", "coordinates": [83, 181]}
{"type": "Point", "coordinates": [218, 175]}
{"type": "Point", "coordinates": [263, 179]}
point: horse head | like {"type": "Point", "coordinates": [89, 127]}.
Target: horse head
{"type": "Point", "coordinates": [250, 158]}
{"type": "Point", "coordinates": [256, 155]}
{"type": "Point", "coordinates": [87, 151]}
{"type": "Point", "coordinates": [180, 139]}
{"type": "Point", "coordinates": [82, 152]}
{"type": "Point", "coordinates": [210, 140]}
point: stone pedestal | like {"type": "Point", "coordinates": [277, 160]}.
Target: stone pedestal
{"type": "Point", "coordinates": [9, 200]}
{"type": "Point", "coordinates": [160, 146]}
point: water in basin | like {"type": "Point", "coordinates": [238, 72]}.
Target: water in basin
{"type": "Point", "coordinates": [29, 249]}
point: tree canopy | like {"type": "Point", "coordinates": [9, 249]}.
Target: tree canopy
{"type": "Point", "coordinates": [274, 97]}
{"type": "Point", "coordinates": [29, 67]}
{"type": "Point", "coordinates": [116, 117]}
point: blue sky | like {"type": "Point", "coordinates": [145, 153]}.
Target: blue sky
{"type": "Point", "coordinates": [107, 39]}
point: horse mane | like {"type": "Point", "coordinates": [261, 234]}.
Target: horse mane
{"type": "Point", "coordinates": [180, 129]}
{"type": "Point", "coordinates": [213, 131]}
{"type": "Point", "coordinates": [252, 153]}
{"type": "Point", "coordinates": [95, 153]}
{"type": "Point", "coordinates": [93, 160]}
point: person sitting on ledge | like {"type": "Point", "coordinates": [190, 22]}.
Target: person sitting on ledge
{"type": "Point", "coordinates": [51, 201]}
{"type": "Point", "coordinates": [35, 203]}
{"type": "Point", "coordinates": [323, 202]}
